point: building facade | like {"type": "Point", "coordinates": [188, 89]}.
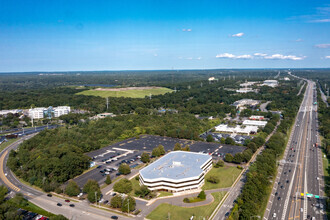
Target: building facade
{"type": "Point", "coordinates": [177, 171]}
{"type": "Point", "coordinates": [50, 112]}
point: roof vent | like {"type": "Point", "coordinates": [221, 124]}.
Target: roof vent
{"type": "Point", "coordinates": [176, 163]}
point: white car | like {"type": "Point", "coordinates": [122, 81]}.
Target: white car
{"type": "Point", "coordinates": [274, 215]}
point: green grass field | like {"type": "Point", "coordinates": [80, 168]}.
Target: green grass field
{"type": "Point", "coordinates": [163, 211]}
{"type": "Point", "coordinates": [227, 176]}
{"type": "Point", "coordinates": [127, 93]}
{"type": "Point", "coordinates": [163, 194]}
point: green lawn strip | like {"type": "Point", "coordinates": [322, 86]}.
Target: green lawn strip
{"type": "Point", "coordinates": [7, 143]}
{"type": "Point", "coordinates": [163, 194]}
{"type": "Point", "coordinates": [227, 176]}
{"type": "Point", "coordinates": [164, 210]}
{"type": "Point", "coordinates": [36, 209]}
{"type": "Point", "coordinates": [105, 208]}
{"type": "Point", "coordinates": [127, 93]}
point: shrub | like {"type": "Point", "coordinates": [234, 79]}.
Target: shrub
{"type": "Point", "coordinates": [202, 195]}
{"type": "Point", "coordinates": [213, 179]}
{"type": "Point", "coordinates": [108, 180]}
{"type": "Point", "coordinates": [145, 158]}
{"type": "Point", "coordinates": [186, 200]}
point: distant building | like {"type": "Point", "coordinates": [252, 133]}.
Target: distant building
{"type": "Point", "coordinates": [237, 129]}
{"type": "Point", "coordinates": [245, 102]}
{"type": "Point", "coordinates": [271, 83]}
{"type": "Point", "coordinates": [247, 84]}
{"type": "Point", "coordinates": [286, 78]}
{"type": "Point", "coordinates": [255, 123]}
{"type": "Point", "coordinates": [176, 171]}
{"type": "Point", "coordinates": [245, 90]}
{"type": "Point", "coordinates": [12, 111]}
{"type": "Point", "coordinates": [256, 117]}
{"type": "Point", "coordinates": [50, 112]}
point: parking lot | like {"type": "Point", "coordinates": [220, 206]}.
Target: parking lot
{"type": "Point", "coordinates": [108, 159]}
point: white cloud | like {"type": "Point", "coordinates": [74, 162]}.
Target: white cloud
{"type": "Point", "coordinates": [232, 56]}
{"type": "Point", "coordinates": [299, 40]}
{"type": "Point", "coordinates": [327, 57]}
{"type": "Point", "coordinates": [326, 20]}
{"type": "Point", "coordinates": [188, 30]}
{"type": "Point", "coordinates": [260, 54]}
{"type": "Point", "coordinates": [155, 55]}
{"type": "Point", "coordinates": [190, 58]}
{"type": "Point", "coordinates": [322, 45]}
{"type": "Point", "coordinates": [283, 57]}
{"type": "Point", "coordinates": [238, 35]}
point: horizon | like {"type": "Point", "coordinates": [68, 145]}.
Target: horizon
{"type": "Point", "coordinates": [145, 35]}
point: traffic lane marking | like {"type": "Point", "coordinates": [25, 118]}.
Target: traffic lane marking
{"type": "Point", "coordinates": [3, 176]}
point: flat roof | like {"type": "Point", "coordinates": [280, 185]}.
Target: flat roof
{"type": "Point", "coordinates": [176, 165]}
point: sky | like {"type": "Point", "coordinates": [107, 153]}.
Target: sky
{"type": "Point", "coordinates": [152, 35]}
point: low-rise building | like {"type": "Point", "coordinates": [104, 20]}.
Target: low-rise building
{"type": "Point", "coordinates": [12, 111]}
{"type": "Point", "coordinates": [256, 117]}
{"type": "Point", "coordinates": [176, 171]}
{"type": "Point", "coordinates": [50, 112]}
{"type": "Point", "coordinates": [237, 129]}
{"type": "Point", "coordinates": [255, 123]}
{"type": "Point", "coordinates": [245, 102]}
{"type": "Point", "coordinates": [271, 83]}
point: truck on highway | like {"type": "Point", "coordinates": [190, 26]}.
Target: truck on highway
{"type": "Point", "coordinates": [316, 144]}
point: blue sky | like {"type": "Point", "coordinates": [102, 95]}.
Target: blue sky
{"type": "Point", "coordinates": [146, 35]}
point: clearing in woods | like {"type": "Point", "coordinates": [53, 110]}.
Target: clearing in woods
{"type": "Point", "coordinates": [128, 92]}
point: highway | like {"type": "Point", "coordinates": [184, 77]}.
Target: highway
{"type": "Point", "coordinates": [82, 209]}
{"type": "Point", "coordinates": [300, 170]}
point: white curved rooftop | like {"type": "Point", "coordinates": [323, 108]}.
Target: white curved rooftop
{"type": "Point", "coordinates": [175, 166]}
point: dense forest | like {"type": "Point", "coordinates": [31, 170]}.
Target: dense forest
{"type": "Point", "coordinates": [55, 156]}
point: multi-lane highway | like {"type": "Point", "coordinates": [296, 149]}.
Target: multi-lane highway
{"type": "Point", "coordinates": [300, 172]}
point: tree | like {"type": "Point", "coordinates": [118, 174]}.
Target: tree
{"type": "Point", "coordinates": [177, 147]}
{"type": "Point", "coordinates": [156, 152]}
{"type": "Point", "coordinates": [128, 204]}
{"type": "Point", "coordinates": [72, 189]}
{"type": "Point", "coordinates": [124, 169]}
{"type": "Point", "coordinates": [230, 141]}
{"type": "Point", "coordinates": [91, 184]}
{"type": "Point", "coordinates": [202, 195]}
{"type": "Point", "coordinates": [3, 192]}
{"type": "Point", "coordinates": [186, 148]}
{"type": "Point", "coordinates": [222, 140]}
{"type": "Point", "coordinates": [213, 179]}
{"type": "Point", "coordinates": [116, 201]}
{"type": "Point", "coordinates": [209, 138]}
{"type": "Point", "coordinates": [123, 186]}
{"type": "Point", "coordinates": [161, 149]}
{"type": "Point", "coordinates": [238, 158]}
{"type": "Point", "coordinates": [259, 141]}
{"type": "Point", "coordinates": [143, 191]}
{"type": "Point", "coordinates": [108, 180]}
{"type": "Point", "coordinates": [145, 158]}
{"type": "Point", "coordinates": [94, 195]}
{"type": "Point", "coordinates": [252, 146]}
{"type": "Point", "coordinates": [229, 158]}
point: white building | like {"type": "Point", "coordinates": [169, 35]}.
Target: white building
{"type": "Point", "coordinates": [12, 111]}
{"type": "Point", "coordinates": [255, 123]}
{"type": "Point", "coordinates": [244, 90]}
{"type": "Point", "coordinates": [37, 113]}
{"type": "Point", "coordinates": [246, 84]}
{"type": "Point", "coordinates": [176, 171]}
{"type": "Point", "coordinates": [237, 129]}
{"type": "Point", "coordinates": [271, 83]}
{"type": "Point", "coordinates": [61, 110]}
{"type": "Point", "coordinates": [244, 102]}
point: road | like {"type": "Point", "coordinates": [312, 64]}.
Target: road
{"type": "Point", "coordinates": [236, 190]}
{"type": "Point", "coordinates": [300, 170]}
{"type": "Point", "coordinates": [82, 209]}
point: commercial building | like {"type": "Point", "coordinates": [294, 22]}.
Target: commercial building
{"type": "Point", "coordinates": [176, 171]}
{"type": "Point", "coordinates": [12, 111]}
{"type": "Point", "coordinates": [245, 90]}
{"type": "Point", "coordinates": [256, 117]}
{"type": "Point", "coordinates": [255, 123]}
{"type": "Point", "coordinates": [50, 112]}
{"type": "Point", "coordinates": [237, 129]}
{"type": "Point", "coordinates": [271, 83]}
{"type": "Point", "coordinates": [245, 102]}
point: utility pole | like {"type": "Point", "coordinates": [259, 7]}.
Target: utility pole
{"type": "Point", "coordinates": [107, 103]}
{"type": "Point", "coordinates": [127, 205]}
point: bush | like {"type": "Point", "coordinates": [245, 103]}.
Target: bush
{"type": "Point", "coordinates": [108, 180]}
{"type": "Point", "coordinates": [91, 184]}
{"type": "Point", "coordinates": [202, 195]}
{"type": "Point", "coordinates": [186, 200]}
{"type": "Point", "coordinates": [220, 163]}
{"type": "Point", "coordinates": [124, 169]}
{"type": "Point", "coordinates": [213, 179]}
{"type": "Point", "coordinates": [123, 186]}
{"type": "Point", "coordinates": [72, 189]}
{"type": "Point", "coordinates": [209, 138]}
{"type": "Point", "coordinates": [239, 167]}
{"type": "Point", "coordinates": [177, 147]}
{"type": "Point", "coordinates": [143, 191]}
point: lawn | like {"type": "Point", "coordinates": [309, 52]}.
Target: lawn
{"type": "Point", "coordinates": [227, 176]}
{"type": "Point", "coordinates": [126, 93]}
{"type": "Point", "coordinates": [36, 209]}
{"type": "Point", "coordinates": [163, 211]}
{"type": "Point", "coordinates": [7, 143]}
{"type": "Point", "coordinates": [136, 186]}
{"type": "Point", "coordinates": [164, 193]}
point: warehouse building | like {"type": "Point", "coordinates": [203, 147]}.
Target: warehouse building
{"type": "Point", "coordinates": [177, 171]}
